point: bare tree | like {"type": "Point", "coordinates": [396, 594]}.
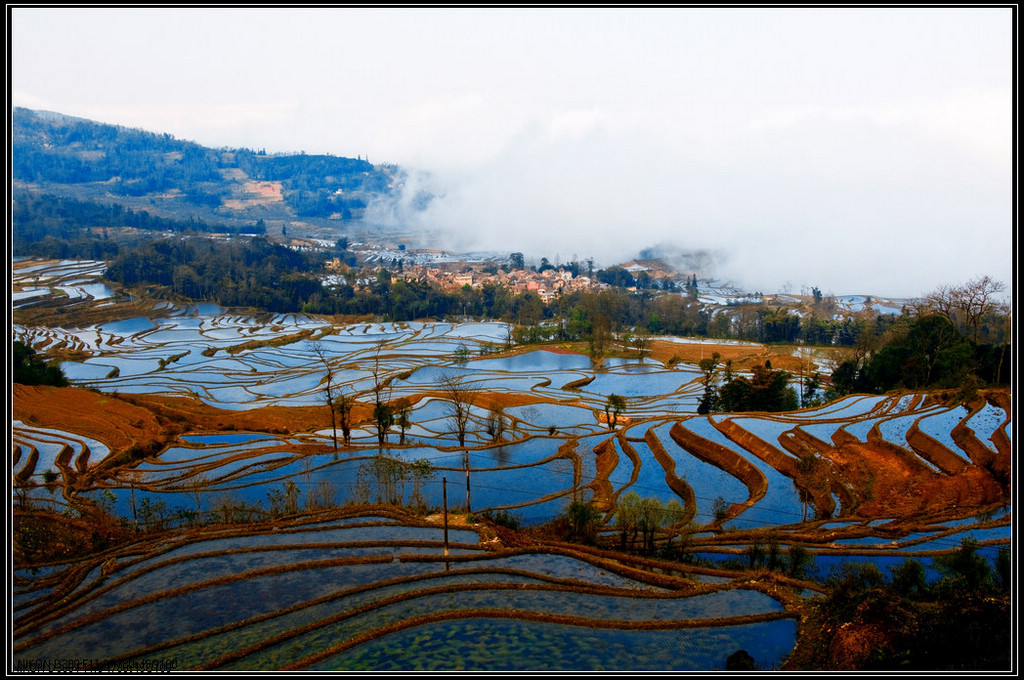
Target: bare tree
{"type": "Point", "coordinates": [323, 496]}
{"type": "Point", "coordinates": [968, 304]}
{"type": "Point", "coordinates": [378, 382]}
{"type": "Point", "coordinates": [402, 410]}
{"type": "Point", "coordinates": [641, 344]}
{"type": "Point", "coordinates": [329, 388]}
{"type": "Point", "coordinates": [291, 497]}
{"type": "Point", "coordinates": [383, 414]}
{"type": "Point", "coordinates": [197, 484]}
{"type": "Point", "coordinates": [497, 422]}
{"type": "Point", "coordinates": [460, 402]}
{"type": "Point", "coordinates": [977, 299]}
{"type": "Point", "coordinates": [940, 301]}
{"type": "Point", "coordinates": [343, 404]}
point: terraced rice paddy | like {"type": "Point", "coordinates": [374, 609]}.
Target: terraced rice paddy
{"type": "Point", "coordinates": [270, 563]}
{"type": "Point", "coordinates": [335, 594]}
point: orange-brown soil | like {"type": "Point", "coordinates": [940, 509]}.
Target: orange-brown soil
{"type": "Point", "coordinates": [725, 459]}
{"type": "Point", "coordinates": [934, 452]}
{"type": "Point", "coordinates": [762, 449]}
{"type": "Point", "coordinates": [679, 486]}
{"type": "Point", "coordinates": [117, 423]}
{"type": "Point", "coordinates": [607, 460]}
{"type": "Point", "coordinates": [891, 485]}
{"type": "Point", "coordinates": [743, 357]}
{"type": "Point", "coordinates": [147, 421]}
{"type": "Point", "coordinates": [490, 400]}
{"type": "Point", "coordinates": [881, 479]}
{"type": "Point", "coordinates": [617, 420]}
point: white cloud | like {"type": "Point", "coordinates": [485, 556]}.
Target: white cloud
{"type": "Point", "coordinates": [843, 142]}
{"type": "Point", "coordinates": [574, 124]}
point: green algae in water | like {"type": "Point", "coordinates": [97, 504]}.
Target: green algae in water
{"type": "Point", "coordinates": [596, 606]}
{"type": "Point", "coordinates": [198, 611]}
{"type": "Point", "coordinates": [723, 603]}
{"type": "Point", "coordinates": [204, 650]}
{"type": "Point", "coordinates": [493, 645]}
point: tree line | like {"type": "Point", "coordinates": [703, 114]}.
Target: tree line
{"type": "Point", "coordinates": [958, 337]}
{"type": "Point", "coordinates": [253, 272]}
{"type": "Point", "coordinates": [56, 227]}
{"type": "Point", "coordinates": [961, 343]}
{"type": "Point", "coordinates": [953, 336]}
{"type": "Point", "coordinates": [764, 389]}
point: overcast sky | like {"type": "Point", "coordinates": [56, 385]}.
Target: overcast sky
{"type": "Point", "coordinates": [857, 150]}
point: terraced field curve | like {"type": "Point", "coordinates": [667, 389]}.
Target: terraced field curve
{"type": "Point", "coordinates": [255, 542]}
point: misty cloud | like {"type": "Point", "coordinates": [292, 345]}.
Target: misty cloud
{"type": "Point", "coordinates": [845, 204]}
{"type": "Point", "coordinates": [860, 150]}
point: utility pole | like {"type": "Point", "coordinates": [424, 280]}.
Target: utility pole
{"type": "Point", "coordinates": [468, 506]}
{"type": "Point", "coordinates": [800, 393]}
{"type": "Point", "coordinates": [444, 494]}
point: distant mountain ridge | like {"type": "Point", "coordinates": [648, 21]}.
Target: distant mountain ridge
{"type": "Point", "coordinates": [111, 175]}
{"type": "Point", "coordinates": [77, 158]}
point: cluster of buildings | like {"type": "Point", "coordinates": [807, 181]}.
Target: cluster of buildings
{"type": "Point", "coordinates": [449, 276]}
{"type": "Point", "coordinates": [548, 284]}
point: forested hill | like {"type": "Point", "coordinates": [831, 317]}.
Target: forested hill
{"type": "Point", "coordinates": [88, 161]}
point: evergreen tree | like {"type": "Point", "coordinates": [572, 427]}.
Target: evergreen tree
{"type": "Point", "coordinates": [29, 369]}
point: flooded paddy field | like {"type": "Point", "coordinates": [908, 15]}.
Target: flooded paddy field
{"type": "Point", "coordinates": [265, 536]}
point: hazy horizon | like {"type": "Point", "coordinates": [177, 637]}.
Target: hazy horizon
{"type": "Point", "coordinates": [859, 150]}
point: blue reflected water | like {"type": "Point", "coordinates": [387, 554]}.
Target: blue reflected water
{"type": "Point", "coordinates": [509, 645]}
